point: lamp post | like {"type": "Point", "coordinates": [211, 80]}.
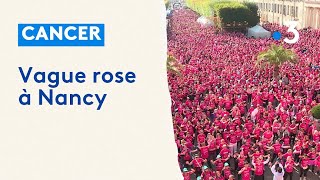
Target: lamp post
{"type": "Point", "coordinates": [282, 11]}
{"type": "Point", "coordinates": [273, 10]}
{"type": "Point", "coordinates": [263, 8]}
{"type": "Point", "coordinates": [294, 10]}
{"type": "Point", "coordinates": [259, 13]}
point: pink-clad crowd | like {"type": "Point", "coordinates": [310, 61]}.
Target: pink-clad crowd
{"type": "Point", "coordinates": [232, 119]}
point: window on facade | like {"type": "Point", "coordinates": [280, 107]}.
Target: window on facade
{"type": "Point", "coordinates": [266, 6]}
{"type": "Point", "coordinates": [273, 7]}
{"type": "Point", "coordinates": [293, 12]}
{"type": "Point", "coordinates": [269, 7]}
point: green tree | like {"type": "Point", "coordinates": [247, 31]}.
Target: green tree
{"type": "Point", "coordinates": [173, 65]}
{"type": "Point", "coordinates": [316, 111]}
{"type": "Point", "coordinates": [166, 2]}
{"type": "Point", "coordinates": [276, 56]}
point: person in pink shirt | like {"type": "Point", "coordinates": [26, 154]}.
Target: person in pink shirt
{"type": "Point", "coordinates": [276, 126]}
{"type": "Point", "coordinates": [286, 142]}
{"type": "Point", "coordinates": [204, 152]}
{"type": "Point", "coordinates": [207, 174]}
{"type": "Point", "coordinates": [297, 150]}
{"type": "Point", "coordinates": [187, 174]}
{"type": "Point", "coordinates": [317, 163]}
{"type": "Point", "coordinates": [197, 164]}
{"type": "Point", "coordinates": [257, 132]}
{"type": "Point", "coordinates": [225, 154]}
{"type": "Point", "coordinates": [212, 148]}
{"type": "Point", "coordinates": [231, 177]}
{"type": "Point", "coordinates": [312, 155]}
{"type": "Point", "coordinates": [228, 104]}
{"type": "Point", "coordinates": [305, 144]}
{"type": "Point", "coordinates": [289, 167]}
{"type": "Point", "coordinates": [276, 147]}
{"type": "Point", "coordinates": [239, 134]}
{"type": "Point", "coordinates": [218, 176]}
{"type": "Point", "coordinates": [226, 171]}
{"type": "Point", "coordinates": [303, 126]}
{"type": "Point", "coordinates": [245, 172]}
{"type": "Point", "coordinates": [201, 138]}
{"type": "Point", "coordinates": [259, 167]}
{"type": "Point", "coordinates": [249, 126]}
{"type": "Point", "coordinates": [268, 135]}
{"type": "Point", "coordinates": [293, 127]}
{"type": "Point", "coordinates": [219, 163]}
{"type": "Point", "coordinates": [235, 111]}
{"type": "Point", "coordinates": [184, 156]}
{"type": "Point", "coordinates": [246, 147]}
{"type": "Point", "coordinates": [316, 136]}
{"type": "Point", "coordinates": [232, 142]}
{"type": "Point", "coordinates": [255, 155]}
{"type": "Point", "coordinates": [289, 153]}
{"type": "Point", "coordinates": [304, 166]}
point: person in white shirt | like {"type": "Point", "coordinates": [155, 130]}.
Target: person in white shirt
{"type": "Point", "coordinates": [277, 171]}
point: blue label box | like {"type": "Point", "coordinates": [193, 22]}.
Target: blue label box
{"type": "Point", "coordinates": [60, 34]}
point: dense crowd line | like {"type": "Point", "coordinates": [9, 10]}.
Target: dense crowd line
{"type": "Point", "coordinates": [231, 119]}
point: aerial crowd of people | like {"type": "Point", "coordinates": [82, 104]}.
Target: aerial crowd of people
{"type": "Point", "coordinates": [233, 120]}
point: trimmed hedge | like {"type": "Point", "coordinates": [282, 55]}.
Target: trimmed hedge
{"type": "Point", "coordinates": [227, 11]}
{"type": "Point", "coordinates": [252, 7]}
{"type": "Point", "coordinates": [230, 12]}
{"type": "Point", "coordinates": [253, 19]}
{"type": "Point", "coordinates": [316, 111]}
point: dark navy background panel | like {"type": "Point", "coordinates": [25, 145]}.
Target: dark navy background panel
{"type": "Point", "coordinates": [56, 41]}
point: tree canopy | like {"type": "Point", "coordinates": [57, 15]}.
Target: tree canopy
{"type": "Point", "coordinates": [275, 56]}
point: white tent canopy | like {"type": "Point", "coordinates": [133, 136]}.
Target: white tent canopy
{"type": "Point", "coordinates": [204, 21]}
{"type": "Point", "coordinates": [258, 32]}
{"type": "Point", "coordinates": [168, 12]}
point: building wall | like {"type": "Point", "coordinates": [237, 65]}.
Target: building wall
{"type": "Point", "coordinates": [306, 12]}
{"type": "Point", "coordinates": [312, 18]}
